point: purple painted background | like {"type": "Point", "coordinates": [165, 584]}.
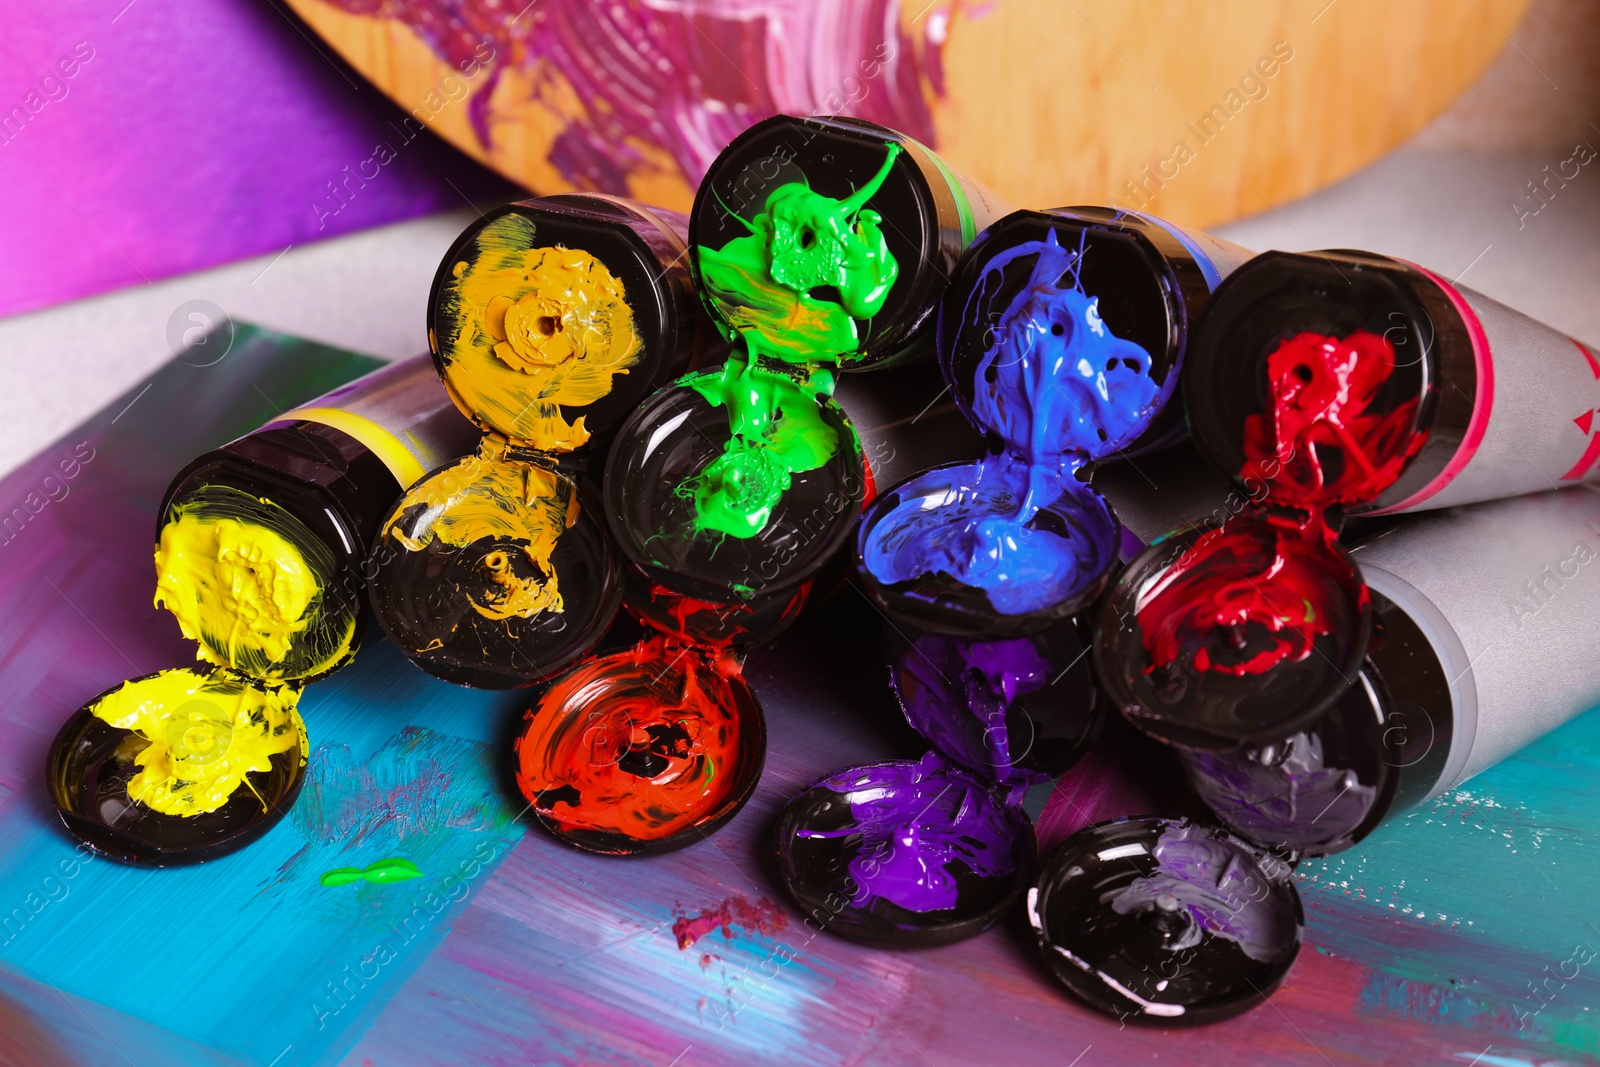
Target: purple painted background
{"type": "Point", "coordinates": [186, 117]}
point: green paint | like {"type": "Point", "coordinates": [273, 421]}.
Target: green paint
{"type": "Point", "coordinates": [760, 285]}
{"type": "Point", "coordinates": [389, 870]}
{"type": "Point", "coordinates": [777, 432]}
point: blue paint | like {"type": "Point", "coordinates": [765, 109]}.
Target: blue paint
{"type": "Point", "coordinates": [1058, 389]}
{"type": "Point", "coordinates": [1056, 384]}
{"type": "Point", "coordinates": [959, 520]}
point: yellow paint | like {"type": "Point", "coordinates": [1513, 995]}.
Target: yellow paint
{"type": "Point", "coordinates": [535, 328]}
{"type": "Point", "coordinates": [196, 736]}
{"type": "Point", "coordinates": [401, 460]}
{"type": "Point", "coordinates": [243, 591]}
{"type": "Point", "coordinates": [491, 496]}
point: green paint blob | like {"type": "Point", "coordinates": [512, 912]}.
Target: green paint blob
{"type": "Point", "coordinates": [389, 870]}
{"type": "Point", "coordinates": [778, 432]}
{"type": "Point", "coordinates": [760, 285]}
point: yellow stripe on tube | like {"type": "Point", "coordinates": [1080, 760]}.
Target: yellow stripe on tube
{"type": "Point", "coordinates": [401, 461]}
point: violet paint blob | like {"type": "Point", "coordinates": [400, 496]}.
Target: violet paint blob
{"type": "Point", "coordinates": [1166, 921]}
{"type": "Point", "coordinates": [1283, 794]}
{"type": "Point", "coordinates": [914, 820]}
{"type": "Point", "coordinates": [1017, 712]}
{"type": "Point", "coordinates": [1057, 388]}
{"type": "Point", "coordinates": [956, 694]}
{"type": "Point", "coordinates": [1205, 881]}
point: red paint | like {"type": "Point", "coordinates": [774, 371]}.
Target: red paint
{"type": "Point", "coordinates": [645, 743]}
{"type": "Point", "coordinates": [1268, 572]}
{"type": "Point", "coordinates": [1584, 421]}
{"type": "Point", "coordinates": [1482, 403]}
{"type": "Point", "coordinates": [706, 622]}
{"type": "Point", "coordinates": [1322, 442]}
{"type": "Point", "coordinates": [761, 917]}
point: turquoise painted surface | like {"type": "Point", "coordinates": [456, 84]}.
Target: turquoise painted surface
{"type": "Point", "coordinates": [1479, 911]}
{"type": "Point", "coordinates": [250, 954]}
{"type": "Point", "coordinates": [249, 957]}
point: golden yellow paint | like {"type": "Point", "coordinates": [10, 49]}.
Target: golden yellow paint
{"type": "Point", "coordinates": [527, 329]}
{"type": "Point", "coordinates": [491, 496]}
{"type": "Point", "coordinates": [245, 592]}
{"type": "Point", "coordinates": [195, 736]}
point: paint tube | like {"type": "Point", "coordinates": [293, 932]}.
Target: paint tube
{"type": "Point", "coordinates": [795, 205]}
{"type": "Point", "coordinates": [1061, 337]}
{"type": "Point", "coordinates": [260, 557]}
{"type": "Point", "coordinates": [1485, 402]}
{"type": "Point", "coordinates": [549, 320]}
{"type": "Point", "coordinates": [1480, 649]}
{"type": "Point", "coordinates": [334, 466]}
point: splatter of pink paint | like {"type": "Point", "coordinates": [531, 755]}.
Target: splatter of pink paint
{"type": "Point", "coordinates": [687, 75]}
{"type": "Point", "coordinates": [761, 917]}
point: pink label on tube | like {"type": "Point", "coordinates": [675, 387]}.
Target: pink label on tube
{"type": "Point", "coordinates": [1532, 425]}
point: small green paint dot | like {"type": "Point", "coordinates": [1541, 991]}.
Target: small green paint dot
{"type": "Point", "coordinates": [383, 871]}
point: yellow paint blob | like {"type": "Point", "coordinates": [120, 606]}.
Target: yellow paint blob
{"type": "Point", "coordinates": [196, 736]}
{"type": "Point", "coordinates": [533, 329]}
{"type": "Point", "coordinates": [491, 496]}
{"type": "Point", "coordinates": [244, 591]}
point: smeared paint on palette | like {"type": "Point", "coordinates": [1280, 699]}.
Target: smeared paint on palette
{"type": "Point", "coordinates": [763, 59]}
{"type": "Point", "coordinates": [735, 913]}
{"type": "Point", "coordinates": [599, 955]}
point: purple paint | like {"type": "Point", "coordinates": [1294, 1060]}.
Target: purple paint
{"type": "Point", "coordinates": [1283, 794]}
{"type": "Point", "coordinates": [916, 819]}
{"type": "Point", "coordinates": [1210, 883]}
{"type": "Point", "coordinates": [685, 77]}
{"type": "Point", "coordinates": [957, 693]}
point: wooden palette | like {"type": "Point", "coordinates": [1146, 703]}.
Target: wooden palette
{"type": "Point", "coordinates": [1201, 113]}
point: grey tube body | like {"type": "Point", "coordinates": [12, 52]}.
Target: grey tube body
{"type": "Point", "coordinates": [1541, 383]}
{"type": "Point", "coordinates": [1156, 493]}
{"type": "Point", "coordinates": [1507, 594]}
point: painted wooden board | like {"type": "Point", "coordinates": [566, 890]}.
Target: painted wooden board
{"type": "Point", "coordinates": [1232, 106]}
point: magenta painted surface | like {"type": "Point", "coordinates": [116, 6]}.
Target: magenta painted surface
{"type": "Point", "coordinates": [194, 133]}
